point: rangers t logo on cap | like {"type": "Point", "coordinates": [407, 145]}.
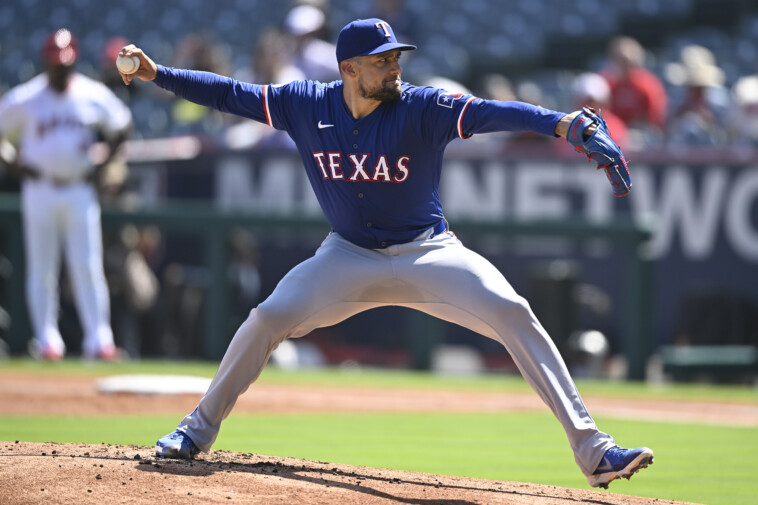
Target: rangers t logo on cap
{"type": "Point", "coordinates": [367, 36]}
{"type": "Point", "coordinates": [383, 25]}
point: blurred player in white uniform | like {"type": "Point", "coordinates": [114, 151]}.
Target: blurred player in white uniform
{"type": "Point", "coordinates": [54, 119]}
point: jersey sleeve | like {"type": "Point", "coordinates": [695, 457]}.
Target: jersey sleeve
{"type": "Point", "coordinates": [287, 104]}
{"type": "Point", "coordinates": [442, 115]}
{"type": "Point", "coordinates": [486, 116]}
{"type": "Point", "coordinates": [218, 92]}
{"type": "Point", "coordinates": [457, 115]}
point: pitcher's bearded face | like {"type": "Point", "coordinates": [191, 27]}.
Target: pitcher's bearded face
{"type": "Point", "coordinates": [379, 77]}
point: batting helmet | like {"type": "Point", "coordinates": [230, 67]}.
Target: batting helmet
{"type": "Point", "coordinates": [60, 48]}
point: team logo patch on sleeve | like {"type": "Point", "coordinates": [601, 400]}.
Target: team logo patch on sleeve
{"type": "Point", "coordinates": [448, 99]}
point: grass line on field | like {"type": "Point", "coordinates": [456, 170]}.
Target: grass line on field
{"type": "Point", "coordinates": [393, 379]}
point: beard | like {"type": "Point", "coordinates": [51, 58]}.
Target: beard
{"type": "Point", "coordinates": [384, 92]}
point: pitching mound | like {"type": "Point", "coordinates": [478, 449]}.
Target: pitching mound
{"type": "Point", "coordinates": [53, 473]}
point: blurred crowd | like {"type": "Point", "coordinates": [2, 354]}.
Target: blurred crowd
{"type": "Point", "coordinates": [685, 101]}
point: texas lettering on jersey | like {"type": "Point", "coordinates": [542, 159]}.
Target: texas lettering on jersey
{"type": "Point", "coordinates": [354, 167]}
{"type": "Point", "coordinates": [395, 153]}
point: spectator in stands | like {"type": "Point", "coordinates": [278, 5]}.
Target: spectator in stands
{"type": "Point", "coordinates": [497, 87]}
{"type": "Point", "coordinates": [395, 12]}
{"type": "Point", "coordinates": [699, 117]}
{"type": "Point", "coordinates": [743, 125]}
{"type": "Point", "coordinates": [439, 81]}
{"type": "Point", "coordinates": [638, 96]}
{"type": "Point", "coordinates": [133, 286]}
{"type": "Point", "coordinates": [271, 62]}
{"type": "Point", "coordinates": [243, 273]}
{"type": "Point", "coordinates": [313, 56]}
{"type": "Point", "coordinates": [592, 90]}
{"type": "Point", "coordinates": [199, 51]}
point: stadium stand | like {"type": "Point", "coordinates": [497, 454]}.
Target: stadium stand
{"type": "Point", "coordinates": [536, 40]}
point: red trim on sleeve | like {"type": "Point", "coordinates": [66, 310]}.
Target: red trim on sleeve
{"type": "Point", "coordinates": [460, 119]}
{"type": "Point", "coordinates": [265, 106]}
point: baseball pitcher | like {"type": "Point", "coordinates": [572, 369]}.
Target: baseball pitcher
{"type": "Point", "coordinates": [372, 147]}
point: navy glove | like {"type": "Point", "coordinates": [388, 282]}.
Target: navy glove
{"type": "Point", "coordinates": [600, 148]}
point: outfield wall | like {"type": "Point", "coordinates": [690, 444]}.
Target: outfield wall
{"type": "Point", "coordinates": [702, 205]}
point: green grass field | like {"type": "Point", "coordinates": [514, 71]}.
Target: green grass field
{"type": "Point", "coordinates": [698, 463]}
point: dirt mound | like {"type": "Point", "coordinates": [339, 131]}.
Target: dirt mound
{"type": "Point", "coordinates": [109, 474]}
{"type": "Point", "coordinates": [53, 473]}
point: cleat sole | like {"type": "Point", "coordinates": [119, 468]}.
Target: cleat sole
{"type": "Point", "coordinates": [627, 473]}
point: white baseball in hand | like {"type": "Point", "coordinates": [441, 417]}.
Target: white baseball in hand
{"type": "Point", "coordinates": [127, 64]}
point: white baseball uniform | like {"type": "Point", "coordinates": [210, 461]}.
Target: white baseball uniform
{"type": "Point", "coordinates": [61, 213]}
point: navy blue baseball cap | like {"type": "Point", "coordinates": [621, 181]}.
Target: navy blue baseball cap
{"type": "Point", "coordinates": [367, 36]}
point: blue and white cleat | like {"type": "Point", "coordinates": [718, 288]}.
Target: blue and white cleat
{"type": "Point", "coordinates": [176, 445]}
{"type": "Point", "coordinates": [619, 462]}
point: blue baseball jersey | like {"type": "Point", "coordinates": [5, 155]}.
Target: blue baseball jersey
{"type": "Point", "coordinates": [376, 178]}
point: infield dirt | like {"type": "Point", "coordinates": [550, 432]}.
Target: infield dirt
{"type": "Point", "coordinates": [50, 473]}
{"type": "Point", "coordinates": [109, 474]}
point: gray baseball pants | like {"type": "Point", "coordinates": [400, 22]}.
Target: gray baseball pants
{"type": "Point", "coordinates": [436, 275]}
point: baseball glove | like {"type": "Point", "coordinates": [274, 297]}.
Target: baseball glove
{"type": "Point", "coordinates": [600, 148]}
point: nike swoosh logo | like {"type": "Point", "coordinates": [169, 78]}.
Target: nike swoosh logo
{"type": "Point", "coordinates": [604, 466]}
{"type": "Point", "coordinates": [322, 125]}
